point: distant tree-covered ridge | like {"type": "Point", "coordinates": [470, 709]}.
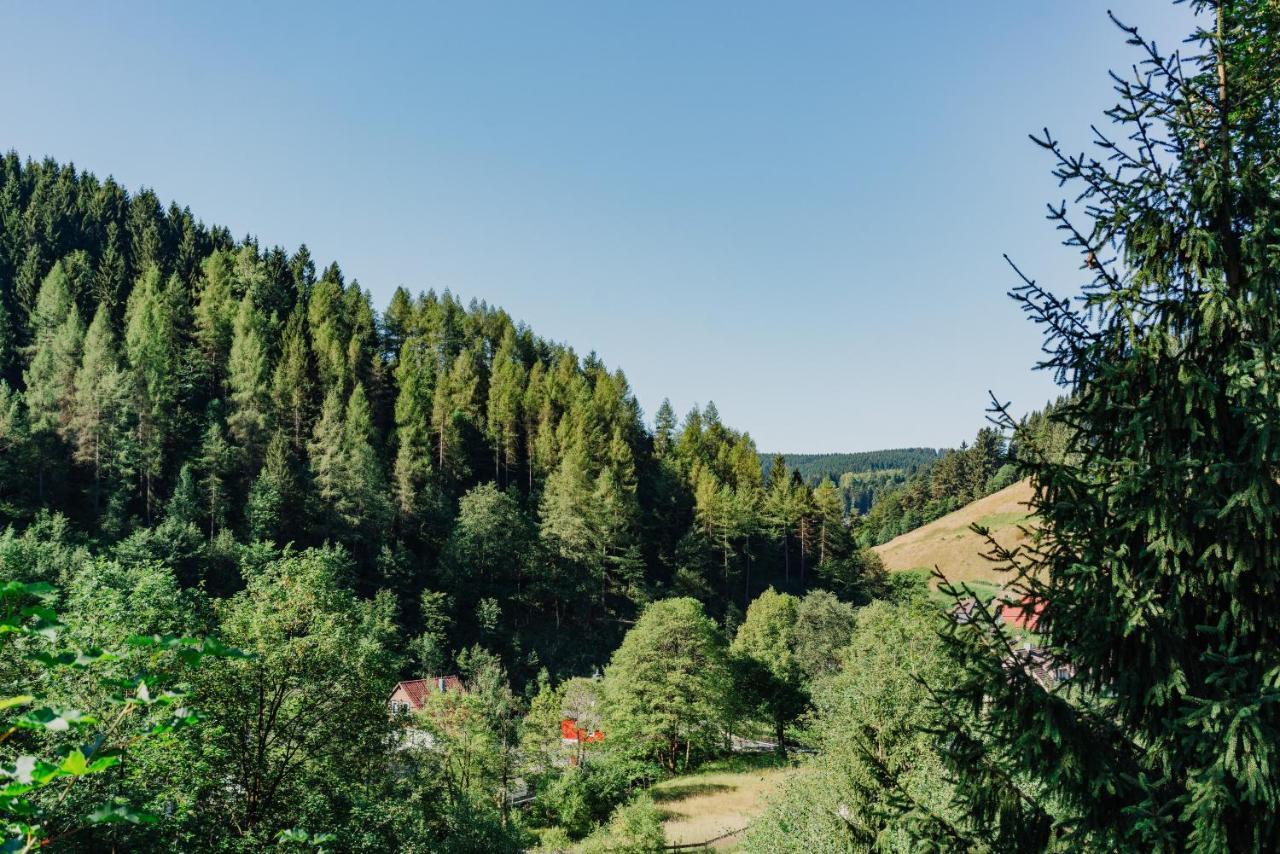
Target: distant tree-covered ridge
{"type": "Point", "coordinates": [817, 466]}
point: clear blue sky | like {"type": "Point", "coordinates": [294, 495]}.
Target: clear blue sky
{"type": "Point", "coordinates": [796, 209]}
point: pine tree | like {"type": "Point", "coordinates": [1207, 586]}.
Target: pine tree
{"type": "Point", "coordinates": [217, 461]}
{"type": "Point", "coordinates": [330, 335]}
{"type": "Point", "coordinates": [151, 349]}
{"type": "Point", "coordinates": [564, 511]}
{"type": "Point", "coordinates": [271, 491]}
{"type": "Point", "coordinates": [413, 463]}
{"type": "Point", "coordinates": [110, 279]}
{"type": "Point", "coordinates": [364, 504]}
{"type": "Point", "coordinates": [453, 406]}
{"type": "Point", "coordinates": [664, 429]}
{"type": "Point", "coordinates": [1156, 568]}
{"type": "Point", "coordinates": [397, 322]}
{"type": "Point", "coordinates": [780, 510]}
{"type": "Point", "coordinates": [324, 452]}
{"type": "Point", "coordinates": [99, 419]}
{"type": "Point", "coordinates": [829, 514]}
{"type": "Point", "coordinates": [506, 393]}
{"type": "Point", "coordinates": [291, 382]}
{"type": "Point", "coordinates": [57, 334]}
{"type": "Point", "coordinates": [248, 381]}
{"type": "Point", "coordinates": [215, 317]}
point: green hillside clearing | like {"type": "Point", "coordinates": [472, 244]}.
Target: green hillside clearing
{"type": "Point", "coordinates": [950, 545]}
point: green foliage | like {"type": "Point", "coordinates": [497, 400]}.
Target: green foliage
{"type": "Point", "coordinates": [769, 680]}
{"type": "Point", "coordinates": [634, 828]}
{"type": "Point", "coordinates": [1155, 565]}
{"type": "Point", "coordinates": [237, 444]}
{"type": "Point", "coordinates": [309, 707]}
{"type": "Point", "coordinates": [665, 688]}
{"type": "Point", "coordinates": [46, 745]}
{"type": "Point", "coordinates": [823, 628]}
{"type": "Point", "coordinates": [953, 480]}
{"type": "Point", "coordinates": [878, 783]}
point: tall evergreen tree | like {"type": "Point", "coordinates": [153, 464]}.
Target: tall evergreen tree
{"type": "Point", "coordinates": [1157, 569]}
{"type": "Point", "coordinates": [248, 381]}
{"type": "Point", "coordinates": [57, 335]}
{"type": "Point", "coordinates": [99, 419]}
{"type": "Point", "coordinates": [215, 317]}
{"type": "Point", "coordinates": [413, 463]}
{"type": "Point", "coordinates": [324, 453]}
{"type": "Point", "coordinates": [364, 503]}
{"type": "Point", "coordinates": [506, 393]}
{"type": "Point", "coordinates": [217, 465]}
{"type": "Point", "coordinates": [291, 381]}
{"type": "Point", "coordinates": [453, 407]}
{"type": "Point", "coordinates": [664, 428]}
{"type": "Point", "coordinates": [151, 348]}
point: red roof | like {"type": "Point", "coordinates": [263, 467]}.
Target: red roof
{"type": "Point", "coordinates": [1025, 615]}
{"type": "Point", "coordinates": [569, 731]}
{"type": "Point", "coordinates": [415, 691]}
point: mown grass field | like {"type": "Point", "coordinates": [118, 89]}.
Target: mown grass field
{"type": "Point", "coordinates": [950, 545]}
{"type": "Point", "coordinates": [720, 798]}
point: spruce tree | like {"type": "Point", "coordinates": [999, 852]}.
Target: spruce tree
{"type": "Point", "coordinates": [664, 428]}
{"type": "Point", "coordinates": [215, 316]}
{"type": "Point", "coordinates": [415, 486]}
{"type": "Point", "coordinates": [506, 393]}
{"type": "Point", "coordinates": [272, 491]}
{"type": "Point", "coordinates": [1156, 567]}
{"type": "Point", "coordinates": [217, 464]}
{"type": "Point", "coordinates": [57, 334]}
{"type": "Point", "coordinates": [364, 503]}
{"type": "Point", "coordinates": [248, 381]}
{"type": "Point", "coordinates": [324, 453]}
{"type": "Point", "coordinates": [151, 347]}
{"type": "Point", "coordinates": [291, 381]}
{"type": "Point", "coordinates": [100, 415]}
{"type": "Point", "coordinates": [453, 407]}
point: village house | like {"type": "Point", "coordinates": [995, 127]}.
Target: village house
{"type": "Point", "coordinates": [1023, 615]}
{"type": "Point", "coordinates": [411, 695]}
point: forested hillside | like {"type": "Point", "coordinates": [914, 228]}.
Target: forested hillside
{"type": "Point", "coordinates": [213, 450]}
{"type": "Point", "coordinates": [178, 393]}
{"type": "Point", "coordinates": [814, 467]}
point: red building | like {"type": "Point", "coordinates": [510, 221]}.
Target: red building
{"type": "Point", "coordinates": [1025, 615]}
{"type": "Point", "coordinates": [571, 732]}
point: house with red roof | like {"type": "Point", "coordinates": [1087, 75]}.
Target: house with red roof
{"type": "Point", "coordinates": [411, 695]}
{"type": "Point", "coordinates": [1025, 614]}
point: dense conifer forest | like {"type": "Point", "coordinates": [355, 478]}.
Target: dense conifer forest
{"type": "Point", "coordinates": [169, 386]}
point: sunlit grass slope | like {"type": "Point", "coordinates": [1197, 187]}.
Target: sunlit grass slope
{"type": "Point", "coordinates": [949, 544]}
{"type": "Point", "coordinates": [717, 800]}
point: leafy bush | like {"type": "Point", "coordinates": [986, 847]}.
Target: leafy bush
{"type": "Point", "coordinates": [48, 745]}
